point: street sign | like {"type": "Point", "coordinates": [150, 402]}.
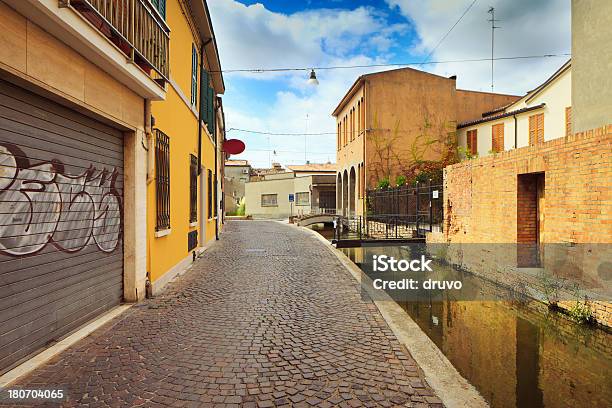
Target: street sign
{"type": "Point", "coordinates": [291, 198]}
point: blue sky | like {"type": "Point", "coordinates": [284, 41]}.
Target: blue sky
{"type": "Point", "coordinates": [307, 33]}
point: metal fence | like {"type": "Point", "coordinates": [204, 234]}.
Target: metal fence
{"type": "Point", "coordinates": [420, 207]}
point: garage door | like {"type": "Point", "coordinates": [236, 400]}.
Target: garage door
{"type": "Point", "coordinates": [61, 194]}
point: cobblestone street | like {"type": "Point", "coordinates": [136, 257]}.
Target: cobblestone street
{"type": "Point", "coordinates": [268, 317]}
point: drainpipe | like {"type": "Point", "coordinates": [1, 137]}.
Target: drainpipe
{"type": "Point", "coordinates": [148, 129]}
{"type": "Point", "coordinates": [515, 132]}
{"type": "Point", "coordinates": [216, 139]}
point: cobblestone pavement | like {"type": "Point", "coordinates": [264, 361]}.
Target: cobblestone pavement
{"type": "Point", "coordinates": [268, 317]}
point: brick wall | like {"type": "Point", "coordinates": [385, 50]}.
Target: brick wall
{"type": "Point", "coordinates": [493, 200]}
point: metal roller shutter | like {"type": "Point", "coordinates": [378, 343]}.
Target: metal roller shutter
{"type": "Point", "coordinates": [61, 195]}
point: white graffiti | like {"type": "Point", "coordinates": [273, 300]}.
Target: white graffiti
{"type": "Point", "coordinates": [40, 205]}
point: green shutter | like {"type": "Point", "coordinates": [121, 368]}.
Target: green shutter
{"type": "Point", "coordinates": [211, 111]}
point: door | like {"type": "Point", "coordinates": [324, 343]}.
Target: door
{"type": "Point", "coordinates": [61, 195]}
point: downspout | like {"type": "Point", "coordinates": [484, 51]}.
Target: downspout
{"type": "Point", "coordinates": [217, 210]}
{"type": "Point", "coordinates": [515, 132]}
{"type": "Point", "coordinates": [149, 178]}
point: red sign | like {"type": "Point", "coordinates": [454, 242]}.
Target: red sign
{"type": "Point", "coordinates": [233, 146]}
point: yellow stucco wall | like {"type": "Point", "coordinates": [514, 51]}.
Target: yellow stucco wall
{"type": "Point", "coordinates": [177, 119]}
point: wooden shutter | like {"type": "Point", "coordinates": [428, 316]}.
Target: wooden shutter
{"type": "Point", "coordinates": [536, 129]}
{"type": "Point", "coordinates": [568, 121]}
{"type": "Point", "coordinates": [497, 137]}
{"type": "Point", "coordinates": [472, 141]}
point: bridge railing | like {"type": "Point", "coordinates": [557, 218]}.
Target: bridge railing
{"type": "Point", "coordinates": [378, 227]}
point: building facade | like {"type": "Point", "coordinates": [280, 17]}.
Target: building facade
{"type": "Point", "coordinates": [184, 182]}
{"type": "Point", "coordinates": [75, 102]}
{"type": "Point", "coordinates": [310, 188]}
{"type": "Point", "coordinates": [543, 114]}
{"type": "Point", "coordinates": [391, 122]}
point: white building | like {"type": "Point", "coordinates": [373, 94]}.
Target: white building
{"type": "Point", "coordinates": [542, 114]}
{"type": "Point", "coordinates": [312, 187]}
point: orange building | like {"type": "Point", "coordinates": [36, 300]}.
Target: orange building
{"type": "Point", "coordinates": [389, 122]}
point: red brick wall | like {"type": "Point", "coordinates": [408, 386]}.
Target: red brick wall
{"type": "Point", "coordinates": [490, 200]}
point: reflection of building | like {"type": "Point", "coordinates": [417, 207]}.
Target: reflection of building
{"type": "Point", "coordinates": [237, 173]}
{"type": "Point", "coordinates": [312, 187]}
{"type": "Point", "coordinates": [543, 114]}
{"type": "Point", "coordinates": [391, 122]}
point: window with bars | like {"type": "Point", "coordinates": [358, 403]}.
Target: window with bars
{"type": "Point", "coordinates": [194, 76]}
{"type": "Point", "coordinates": [497, 137]}
{"type": "Point", "coordinates": [269, 200]}
{"type": "Point", "coordinates": [162, 180]}
{"type": "Point", "coordinates": [536, 129]}
{"type": "Point", "coordinates": [568, 121]}
{"type": "Point", "coordinates": [210, 194]}
{"type": "Point", "coordinates": [193, 188]}
{"type": "Point", "coordinates": [472, 141]}
{"type": "Point", "coordinates": [302, 198]}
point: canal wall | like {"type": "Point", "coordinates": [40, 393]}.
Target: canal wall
{"type": "Point", "coordinates": [537, 218]}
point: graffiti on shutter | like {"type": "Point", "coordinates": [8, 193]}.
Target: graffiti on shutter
{"type": "Point", "coordinates": [41, 205]}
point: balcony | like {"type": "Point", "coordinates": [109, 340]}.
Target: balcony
{"type": "Point", "coordinates": [134, 28]}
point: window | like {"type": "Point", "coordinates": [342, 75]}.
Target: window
{"type": "Point", "coordinates": [208, 105]}
{"type": "Point", "coordinates": [359, 118]}
{"type": "Point", "coordinates": [339, 135]}
{"type": "Point", "coordinates": [568, 121]}
{"type": "Point", "coordinates": [269, 200]}
{"type": "Point", "coordinates": [536, 129]}
{"type": "Point", "coordinates": [302, 198]}
{"type": "Point", "coordinates": [353, 125]}
{"type": "Point", "coordinates": [344, 130]}
{"type": "Point", "coordinates": [194, 76]}
{"type": "Point", "coordinates": [193, 188]}
{"type": "Point", "coordinates": [472, 141]}
{"type": "Point", "coordinates": [497, 137]}
{"type": "Point", "coordinates": [215, 198]}
{"type": "Point", "coordinates": [210, 194]}
{"type": "Point", "coordinates": [160, 6]}
{"type": "Point", "coordinates": [162, 180]}
{"type": "Point", "coordinates": [362, 123]}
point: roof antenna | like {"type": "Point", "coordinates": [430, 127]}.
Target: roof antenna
{"type": "Point", "coordinates": [493, 28]}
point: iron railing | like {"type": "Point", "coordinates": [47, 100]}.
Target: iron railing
{"type": "Point", "coordinates": [381, 227]}
{"type": "Point", "coordinates": [193, 188]}
{"type": "Point", "coordinates": [133, 27]}
{"type": "Point", "coordinates": [421, 205]}
{"type": "Point", "coordinates": [162, 180]}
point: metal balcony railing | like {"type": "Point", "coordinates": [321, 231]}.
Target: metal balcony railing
{"type": "Point", "coordinates": [134, 27]}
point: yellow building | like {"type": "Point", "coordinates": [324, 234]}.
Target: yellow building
{"type": "Point", "coordinates": [183, 190]}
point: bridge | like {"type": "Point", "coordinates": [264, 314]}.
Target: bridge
{"type": "Point", "coordinates": [311, 219]}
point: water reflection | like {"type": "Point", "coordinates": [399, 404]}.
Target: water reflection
{"type": "Point", "coordinates": [516, 355]}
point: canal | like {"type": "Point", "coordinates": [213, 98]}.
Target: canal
{"type": "Point", "coordinates": [516, 354]}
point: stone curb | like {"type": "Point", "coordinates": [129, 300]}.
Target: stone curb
{"type": "Point", "coordinates": [440, 374]}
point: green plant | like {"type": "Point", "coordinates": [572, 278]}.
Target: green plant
{"type": "Point", "coordinates": [384, 183]}
{"type": "Point", "coordinates": [465, 152]}
{"type": "Point", "coordinates": [400, 180]}
{"type": "Point", "coordinates": [581, 312]}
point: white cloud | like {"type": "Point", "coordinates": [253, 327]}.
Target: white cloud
{"type": "Point", "coordinates": [527, 28]}
{"type": "Point", "coordinates": [254, 37]}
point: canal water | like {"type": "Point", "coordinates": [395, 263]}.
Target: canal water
{"type": "Point", "coordinates": [517, 355]}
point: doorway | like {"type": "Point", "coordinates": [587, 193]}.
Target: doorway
{"type": "Point", "coordinates": [530, 219]}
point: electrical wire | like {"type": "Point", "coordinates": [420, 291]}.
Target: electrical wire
{"type": "Point", "coordinates": [280, 134]}
{"type": "Point", "coordinates": [399, 64]}
{"type": "Point", "coordinates": [449, 31]}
